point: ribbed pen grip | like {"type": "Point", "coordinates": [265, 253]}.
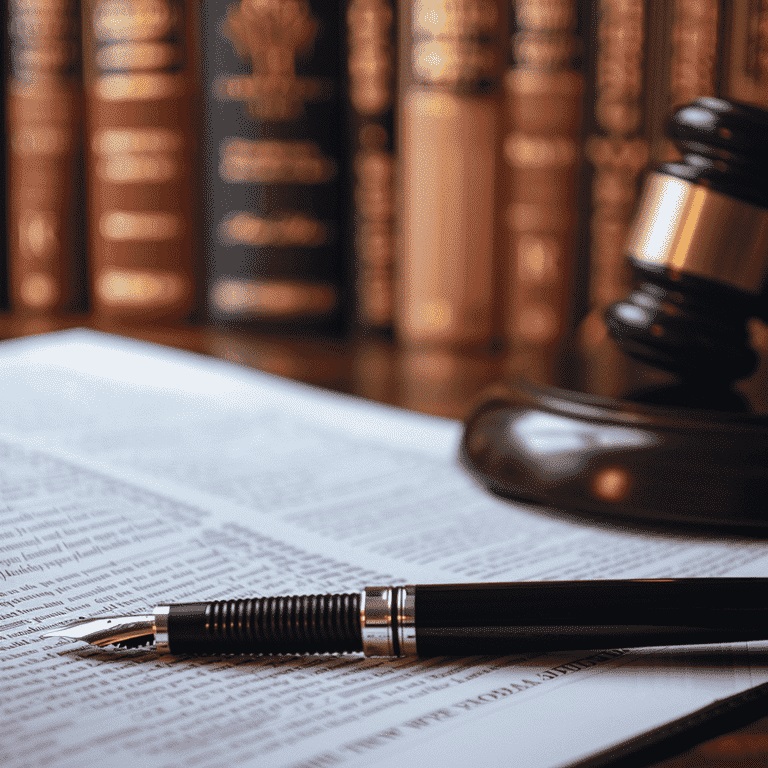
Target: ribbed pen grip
{"type": "Point", "coordinates": [287, 625]}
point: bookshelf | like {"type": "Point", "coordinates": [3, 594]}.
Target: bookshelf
{"type": "Point", "coordinates": [610, 154]}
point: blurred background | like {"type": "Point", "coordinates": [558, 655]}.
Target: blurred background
{"type": "Point", "coordinates": [406, 199]}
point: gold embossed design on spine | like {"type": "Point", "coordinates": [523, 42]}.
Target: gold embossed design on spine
{"type": "Point", "coordinates": [688, 228]}
{"type": "Point", "coordinates": [271, 170]}
{"type": "Point", "coordinates": [451, 67]}
{"type": "Point", "coordinates": [44, 115]}
{"type": "Point", "coordinates": [139, 86]}
{"type": "Point", "coordinates": [543, 88]}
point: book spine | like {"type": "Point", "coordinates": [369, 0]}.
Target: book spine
{"type": "Point", "coordinates": [44, 114]}
{"type": "Point", "coordinates": [544, 92]}
{"type": "Point", "coordinates": [372, 47]}
{"type": "Point", "coordinates": [451, 67]}
{"type": "Point", "coordinates": [616, 148]}
{"type": "Point", "coordinates": [272, 150]}
{"type": "Point", "coordinates": [695, 49]}
{"type": "Point", "coordinates": [139, 90]}
{"type": "Point", "coordinates": [746, 70]}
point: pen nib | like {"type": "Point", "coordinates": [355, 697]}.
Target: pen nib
{"type": "Point", "coordinates": [120, 631]}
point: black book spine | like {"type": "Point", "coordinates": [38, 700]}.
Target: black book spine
{"type": "Point", "coordinates": [272, 162]}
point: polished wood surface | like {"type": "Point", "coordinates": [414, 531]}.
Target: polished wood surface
{"type": "Point", "coordinates": [446, 384]}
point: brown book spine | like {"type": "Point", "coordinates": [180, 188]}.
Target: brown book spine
{"type": "Point", "coordinates": [544, 91]}
{"type": "Point", "coordinates": [139, 87]}
{"type": "Point", "coordinates": [44, 114]}
{"type": "Point", "coordinates": [746, 65]}
{"type": "Point", "coordinates": [695, 49]}
{"type": "Point", "coordinates": [451, 67]}
{"type": "Point", "coordinates": [617, 148]}
{"type": "Point", "coordinates": [371, 50]}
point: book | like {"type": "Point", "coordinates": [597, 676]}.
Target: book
{"type": "Point", "coordinates": [616, 146]}
{"type": "Point", "coordinates": [696, 50]}
{"type": "Point", "coordinates": [745, 71]}
{"type": "Point", "coordinates": [372, 94]}
{"type": "Point", "coordinates": [542, 156]}
{"type": "Point", "coordinates": [140, 141]}
{"type": "Point", "coordinates": [135, 475]}
{"type": "Point", "coordinates": [44, 155]}
{"type": "Point", "coordinates": [649, 58]}
{"type": "Point", "coordinates": [451, 66]}
{"type": "Point", "coordinates": [273, 162]}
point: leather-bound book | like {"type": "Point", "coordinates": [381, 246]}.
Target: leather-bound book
{"type": "Point", "coordinates": [140, 137]}
{"type": "Point", "coordinates": [648, 56]}
{"type": "Point", "coordinates": [44, 155]}
{"type": "Point", "coordinates": [451, 66]}
{"type": "Point", "coordinates": [542, 150]}
{"type": "Point", "coordinates": [371, 80]}
{"type": "Point", "coordinates": [272, 162]}
{"type": "Point", "coordinates": [745, 66]}
{"type": "Point", "coordinates": [616, 146]}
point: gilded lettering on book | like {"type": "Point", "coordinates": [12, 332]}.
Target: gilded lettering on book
{"type": "Point", "coordinates": [138, 56]}
{"type": "Point", "coordinates": [38, 234]}
{"type": "Point", "coordinates": [141, 86]}
{"type": "Point", "coordinates": [531, 151]}
{"type": "Point", "coordinates": [39, 290]}
{"type": "Point", "coordinates": [108, 140]}
{"type": "Point", "coordinates": [148, 288]}
{"type": "Point", "coordinates": [273, 298]}
{"type": "Point", "coordinates": [550, 15]}
{"type": "Point", "coordinates": [282, 231]}
{"type": "Point", "coordinates": [371, 56]}
{"type": "Point", "coordinates": [272, 35]}
{"type": "Point", "coordinates": [141, 168]}
{"type": "Point", "coordinates": [275, 162]}
{"type": "Point", "coordinates": [135, 20]}
{"type": "Point", "coordinates": [152, 226]}
{"type": "Point", "coordinates": [455, 43]}
{"type": "Point", "coordinates": [455, 18]}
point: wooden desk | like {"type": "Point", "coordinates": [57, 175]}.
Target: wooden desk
{"type": "Point", "coordinates": [443, 384]}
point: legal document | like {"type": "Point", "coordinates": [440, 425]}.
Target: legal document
{"type": "Point", "coordinates": [132, 475]}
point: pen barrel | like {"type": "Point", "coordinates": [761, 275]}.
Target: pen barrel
{"type": "Point", "coordinates": [264, 625]}
{"type": "Point", "coordinates": [499, 619]}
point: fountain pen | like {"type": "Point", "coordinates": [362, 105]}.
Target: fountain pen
{"type": "Point", "coordinates": [450, 619]}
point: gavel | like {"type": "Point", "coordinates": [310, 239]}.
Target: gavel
{"type": "Point", "coordinates": [698, 248]}
{"type": "Point", "coordinates": [690, 452]}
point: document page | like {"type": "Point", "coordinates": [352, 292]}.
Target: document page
{"type": "Point", "coordinates": [131, 475]}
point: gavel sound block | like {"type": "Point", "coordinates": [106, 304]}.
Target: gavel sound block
{"type": "Point", "coordinates": [689, 453]}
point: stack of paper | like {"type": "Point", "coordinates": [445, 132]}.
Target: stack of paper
{"type": "Point", "coordinates": [133, 475]}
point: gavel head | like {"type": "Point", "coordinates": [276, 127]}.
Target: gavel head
{"type": "Point", "coordinates": [699, 247]}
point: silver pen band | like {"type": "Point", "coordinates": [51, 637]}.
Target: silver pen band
{"type": "Point", "coordinates": [388, 621]}
{"type": "Point", "coordinates": [161, 628]}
